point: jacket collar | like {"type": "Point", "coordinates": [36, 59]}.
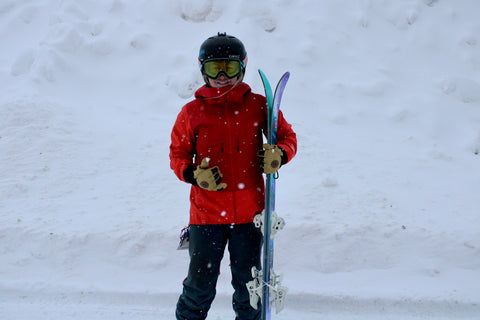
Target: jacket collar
{"type": "Point", "coordinates": [228, 95]}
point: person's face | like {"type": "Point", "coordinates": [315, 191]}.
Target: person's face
{"type": "Point", "coordinates": [222, 73]}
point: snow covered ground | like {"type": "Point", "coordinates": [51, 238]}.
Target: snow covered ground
{"type": "Point", "coordinates": [381, 203]}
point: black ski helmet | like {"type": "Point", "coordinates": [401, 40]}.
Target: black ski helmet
{"type": "Point", "coordinates": [222, 47]}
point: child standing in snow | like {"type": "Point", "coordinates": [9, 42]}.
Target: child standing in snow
{"type": "Point", "coordinates": [217, 146]}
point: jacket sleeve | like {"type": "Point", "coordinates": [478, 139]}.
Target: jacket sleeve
{"type": "Point", "coordinates": [286, 137]}
{"type": "Point", "coordinates": [182, 145]}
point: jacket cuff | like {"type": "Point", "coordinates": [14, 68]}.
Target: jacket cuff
{"type": "Point", "coordinates": [284, 156]}
{"type": "Point", "coordinates": [188, 175]}
{"type": "Point", "coordinates": [288, 152]}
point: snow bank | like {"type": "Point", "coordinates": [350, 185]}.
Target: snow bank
{"type": "Point", "coordinates": [381, 202]}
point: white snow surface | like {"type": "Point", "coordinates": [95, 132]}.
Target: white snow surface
{"type": "Point", "coordinates": [381, 202]}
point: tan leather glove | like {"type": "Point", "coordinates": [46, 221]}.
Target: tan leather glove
{"type": "Point", "coordinates": [208, 178]}
{"type": "Point", "coordinates": [271, 158]}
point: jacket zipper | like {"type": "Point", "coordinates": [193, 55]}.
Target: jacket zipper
{"type": "Point", "coordinates": [230, 141]}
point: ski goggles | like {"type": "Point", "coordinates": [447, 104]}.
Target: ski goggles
{"type": "Point", "coordinates": [230, 68]}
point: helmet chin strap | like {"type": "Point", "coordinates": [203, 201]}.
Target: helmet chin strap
{"type": "Point", "coordinates": [239, 80]}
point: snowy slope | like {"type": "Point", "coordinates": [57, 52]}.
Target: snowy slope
{"type": "Point", "coordinates": [381, 202]}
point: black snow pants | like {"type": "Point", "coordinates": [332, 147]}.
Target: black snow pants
{"type": "Point", "coordinates": [206, 249]}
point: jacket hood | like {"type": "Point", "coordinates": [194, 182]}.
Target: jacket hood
{"type": "Point", "coordinates": [231, 94]}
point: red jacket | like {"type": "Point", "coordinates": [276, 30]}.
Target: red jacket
{"type": "Point", "coordinates": [225, 125]}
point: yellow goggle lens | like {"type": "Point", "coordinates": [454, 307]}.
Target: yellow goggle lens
{"type": "Point", "coordinates": [230, 68]}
